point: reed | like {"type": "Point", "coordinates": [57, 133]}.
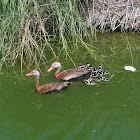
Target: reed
{"type": "Point", "coordinates": [30, 29]}
{"type": "Point", "coordinates": [108, 15]}
{"type": "Point", "coordinates": [23, 36]}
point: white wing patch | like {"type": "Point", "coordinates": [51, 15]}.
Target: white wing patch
{"type": "Point", "coordinates": [70, 77]}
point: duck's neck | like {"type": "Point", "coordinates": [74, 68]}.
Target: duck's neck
{"type": "Point", "coordinates": [37, 83]}
{"type": "Point", "coordinates": [58, 70]}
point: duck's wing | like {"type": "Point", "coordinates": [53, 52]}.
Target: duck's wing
{"type": "Point", "coordinates": [72, 74]}
{"type": "Point", "coordinates": [54, 87]}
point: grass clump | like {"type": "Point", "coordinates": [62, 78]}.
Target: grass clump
{"type": "Point", "coordinates": [30, 29]}
{"type": "Point", "coordinates": [23, 37]}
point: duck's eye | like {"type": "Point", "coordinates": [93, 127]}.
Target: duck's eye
{"type": "Point", "coordinates": [54, 65]}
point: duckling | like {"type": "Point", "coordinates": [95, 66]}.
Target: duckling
{"type": "Point", "coordinates": [106, 72]}
{"type": "Point", "coordinates": [82, 67]}
{"type": "Point", "coordinates": [100, 67]}
{"type": "Point", "coordinates": [96, 75]}
{"type": "Point", "coordinates": [89, 81]}
{"type": "Point", "coordinates": [87, 66]}
{"type": "Point", "coordinates": [105, 79]}
{"type": "Point", "coordinates": [95, 70]}
{"type": "Point", "coordinates": [101, 73]}
{"type": "Point", "coordinates": [92, 82]}
{"type": "Point", "coordinates": [99, 78]}
{"type": "Point", "coordinates": [90, 68]}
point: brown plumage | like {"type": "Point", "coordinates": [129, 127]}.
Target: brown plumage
{"type": "Point", "coordinates": [70, 74]}
{"type": "Point", "coordinates": [48, 88]}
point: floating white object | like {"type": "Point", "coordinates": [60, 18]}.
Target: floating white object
{"type": "Point", "coordinates": [130, 68]}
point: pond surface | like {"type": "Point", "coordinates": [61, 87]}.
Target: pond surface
{"type": "Point", "coordinates": [106, 111]}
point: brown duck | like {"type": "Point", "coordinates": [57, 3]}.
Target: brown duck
{"type": "Point", "coordinates": [70, 74]}
{"type": "Point", "coordinates": [48, 88]}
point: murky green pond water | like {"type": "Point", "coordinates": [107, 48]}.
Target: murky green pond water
{"type": "Point", "coordinates": [107, 111]}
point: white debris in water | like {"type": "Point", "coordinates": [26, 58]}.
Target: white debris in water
{"type": "Point", "coordinates": [130, 68]}
{"type": "Point", "coordinates": [93, 131]}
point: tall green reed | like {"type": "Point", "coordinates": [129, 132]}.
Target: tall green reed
{"type": "Point", "coordinates": [71, 26]}
{"type": "Point", "coordinates": [30, 28]}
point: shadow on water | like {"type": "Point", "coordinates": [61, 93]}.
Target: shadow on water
{"type": "Point", "coordinates": [108, 110]}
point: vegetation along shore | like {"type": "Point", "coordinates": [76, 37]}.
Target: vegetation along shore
{"type": "Point", "coordinates": [30, 30]}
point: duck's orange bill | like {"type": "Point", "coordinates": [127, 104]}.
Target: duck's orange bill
{"type": "Point", "coordinates": [50, 69]}
{"type": "Point", "coordinates": [29, 74]}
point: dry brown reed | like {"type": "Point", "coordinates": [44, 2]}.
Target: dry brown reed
{"type": "Point", "coordinates": [34, 43]}
{"type": "Point", "coordinates": [121, 15]}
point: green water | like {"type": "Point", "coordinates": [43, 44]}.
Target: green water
{"type": "Point", "coordinates": [107, 111]}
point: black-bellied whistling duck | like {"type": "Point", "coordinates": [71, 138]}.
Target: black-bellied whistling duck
{"type": "Point", "coordinates": [70, 74]}
{"type": "Point", "coordinates": [48, 88]}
